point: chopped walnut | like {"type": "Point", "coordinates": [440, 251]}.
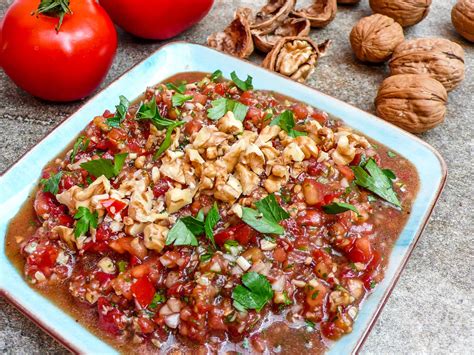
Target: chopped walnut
{"type": "Point", "coordinates": [154, 237]}
{"type": "Point", "coordinates": [178, 198]}
{"type": "Point", "coordinates": [172, 166]}
{"type": "Point", "coordinates": [248, 179]}
{"type": "Point", "coordinates": [229, 124]}
{"type": "Point", "coordinates": [293, 153]}
{"type": "Point", "coordinates": [67, 235]}
{"type": "Point", "coordinates": [254, 158]}
{"type": "Point", "coordinates": [230, 191]}
{"type": "Point", "coordinates": [208, 136]}
{"type": "Point", "coordinates": [76, 196]}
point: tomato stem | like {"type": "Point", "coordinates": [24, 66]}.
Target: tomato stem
{"type": "Point", "coordinates": [54, 8]}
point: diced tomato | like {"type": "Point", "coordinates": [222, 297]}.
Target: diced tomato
{"type": "Point", "coordinates": [300, 111]}
{"type": "Point", "coordinates": [279, 254]}
{"type": "Point", "coordinates": [134, 261]}
{"type": "Point", "coordinates": [192, 127]}
{"type": "Point", "coordinates": [313, 191]}
{"type": "Point", "coordinates": [316, 295]}
{"type": "Point", "coordinates": [108, 114]}
{"type": "Point", "coordinates": [254, 115]}
{"type": "Point", "coordinates": [44, 203]}
{"type": "Point", "coordinates": [330, 330]}
{"type": "Point", "coordinates": [200, 98]}
{"type": "Point", "coordinates": [321, 117]}
{"type": "Point", "coordinates": [220, 89]}
{"type": "Point", "coordinates": [43, 259]}
{"type": "Point", "coordinates": [103, 277]}
{"type": "Point", "coordinates": [314, 168]}
{"type": "Point", "coordinates": [143, 291]}
{"type": "Point", "coordinates": [65, 220]}
{"type": "Point", "coordinates": [361, 252]}
{"type": "Point", "coordinates": [310, 217]}
{"type": "Point", "coordinates": [242, 233]}
{"type": "Point", "coordinates": [66, 182]}
{"type": "Point", "coordinates": [110, 318]}
{"type": "Point", "coordinates": [247, 98]}
{"type": "Point", "coordinates": [160, 188]}
{"type": "Point", "coordinates": [346, 171]}
{"type": "Point", "coordinates": [113, 206]}
{"type": "Point", "coordinates": [328, 198]}
{"type": "Point", "coordinates": [146, 325]}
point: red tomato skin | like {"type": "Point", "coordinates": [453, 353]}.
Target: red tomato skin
{"type": "Point", "coordinates": [156, 19]}
{"type": "Point", "coordinates": [143, 290]}
{"type": "Point", "coordinates": [57, 66]}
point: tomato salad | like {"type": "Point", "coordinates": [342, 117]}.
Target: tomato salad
{"type": "Point", "coordinates": [213, 217]}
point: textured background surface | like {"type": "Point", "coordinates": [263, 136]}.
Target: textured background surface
{"type": "Point", "coordinates": [430, 310]}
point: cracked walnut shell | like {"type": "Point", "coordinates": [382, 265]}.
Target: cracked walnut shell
{"type": "Point", "coordinates": [291, 27]}
{"type": "Point", "coordinates": [236, 39]}
{"type": "Point", "coordinates": [439, 58]}
{"type": "Point", "coordinates": [272, 15]}
{"type": "Point", "coordinates": [462, 17]}
{"type": "Point", "coordinates": [405, 12]}
{"type": "Point", "coordinates": [320, 13]}
{"type": "Point", "coordinates": [295, 57]}
{"type": "Point", "coordinates": [413, 102]}
{"type": "Point", "coordinates": [374, 38]}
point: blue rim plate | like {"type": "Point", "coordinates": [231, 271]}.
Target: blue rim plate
{"type": "Point", "coordinates": [17, 182]}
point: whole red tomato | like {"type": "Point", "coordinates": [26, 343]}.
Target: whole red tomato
{"type": "Point", "coordinates": [57, 61]}
{"type": "Point", "coordinates": [156, 19]}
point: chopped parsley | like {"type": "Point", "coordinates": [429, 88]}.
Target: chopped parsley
{"type": "Point", "coordinates": [221, 106]}
{"type": "Point", "coordinates": [379, 181]}
{"type": "Point", "coordinates": [271, 210]}
{"type": "Point", "coordinates": [242, 85]}
{"type": "Point", "coordinates": [99, 167]}
{"type": "Point", "coordinates": [267, 216]}
{"type": "Point", "coordinates": [205, 257]}
{"type": "Point", "coordinates": [211, 220]}
{"type": "Point", "coordinates": [391, 154]}
{"type": "Point", "coordinates": [181, 235]}
{"type": "Point", "coordinates": [179, 99]}
{"type": "Point", "coordinates": [254, 293]}
{"type": "Point", "coordinates": [52, 183]}
{"type": "Point", "coordinates": [339, 207]}
{"type": "Point", "coordinates": [167, 141]}
{"type": "Point", "coordinates": [286, 121]}
{"type": "Point", "coordinates": [85, 220]}
{"type": "Point", "coordinates": [81, 144]}
{"type": "Point", "coordinates": [157, 299]}
{"type": "Point", "coordinates": [180, 89]}
{"type": "Point", "coordinates": [122, 265]}
{"type": "Point", "coordinates": [216, 75]}
{"type": "Point", "coordinates": [120, 112]}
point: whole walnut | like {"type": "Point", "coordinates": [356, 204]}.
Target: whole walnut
{"type": "Point", "coordinates": [348, 2]}
{"type": "Point", "coordinates": [413, 102]}
{"type": "Point", "coordinates": [462, 17]}
{"type": "Point", "coordinates": [374, 38]}
{"type": "Point", "coordinates": [439, 58]}
{"type": "Point", "coordinates": [405, 12]}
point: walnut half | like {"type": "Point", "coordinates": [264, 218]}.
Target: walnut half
{"type": "Point", "coordinates": [271, 15]}
{"type": "Point", "coordinates": [295, 57]}
{"type": "Point", "coordinates": [413, 102]}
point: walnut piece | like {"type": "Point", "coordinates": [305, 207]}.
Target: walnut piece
{"type": "Point", "coordinates": [295, 57]}
{"type": "Point", "coordinates": [290, 27]}
{"type": "Point", "coordinates": [439, 58]}
{"type": "Point", "coordinates": [320, 13]}
{"type": "Point", "coordinates": [405, 12]}
{"type": "Point", "coordinates": [462, 17]}
{"type": "Point", "coordinates": [374, 38]}
{"type": "Point", "coordinates": [236, 39]}
{"type": "Point", "coordinates": [413, 102]}
{"type": "Point", "coordinates": [272, 15]}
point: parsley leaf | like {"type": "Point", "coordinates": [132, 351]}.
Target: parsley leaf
{"type": "Point", "coordinates": [255, 292]}
{"type": "Point", "coordinates": [376, 180]}
{"type": "Point", "coordinates": [179, 99]}
{"type": "Point", "coordinates": [339, 207]}
{"type": "Point", "coordinates": [216, 75]}
{"type": "Point", "coordinates": [52, 183]}
{"type": "Point", "coordinates": [120, 113]}
{"type": "Point", "coordinates": [181, 235]}
{"type": "Point", "coordinates": [86, 220]}
{"type": "Point", "coordinates": [149, 111]}
{"type": "Point", "coordinates": [391, 154]}
{"type": "Point", "coordinates": [211, 220]}
{"type": "Point", "coordinates": [221, 106]}
{"type": "Point", "coordinates": [81, 144]}
{"type": "Point", "coordinates": [242, 85]}
{"type": "Point", "coordinates": [258, 222]}
{"type": "Point", "coordinates": [99, 167]}
{"type": "Point", "coordinates": [181, 88]}
{"type": "Point", "coordinates": [167, 141]}
{"type": "Point", "coordinates": [271, 210]}
{"type": "Point", "coordinates": [195, 224]}
{"type": "Point", "coordinates": [157, 299]}
{"type": "Point", "coordinates": [122, 265]}
{"type": "Point", "coordinates": [286, 121]}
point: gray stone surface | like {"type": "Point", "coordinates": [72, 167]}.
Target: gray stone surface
{"type": "Point", "coordinates": [430, 310]}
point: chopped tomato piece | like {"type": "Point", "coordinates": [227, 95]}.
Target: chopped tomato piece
{"type": "Point", "coordinates": [113, 206]}
{"type": "Point", "coordinates": [361, 252]}
{"type": "Point", "coordinates": [242, 233]}
{"type": "Point", "coordinates": [347, 172]}
{"type": "Point", "coordinates": [300, 111]}
{"type": "Point", "coordinates": [143, 291]}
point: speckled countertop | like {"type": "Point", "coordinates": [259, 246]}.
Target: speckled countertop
{"type": "Point", "coordinates": [430, 310]}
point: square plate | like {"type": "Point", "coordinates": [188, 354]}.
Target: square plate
{"type": "Point", "coordinates": [20, 179]}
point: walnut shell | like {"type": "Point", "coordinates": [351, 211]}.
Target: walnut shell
{"type": "Point", "coordinates": [413, 102]}
{"type": "Point", "coordinates": [405, 12]}
{"type": "Point", "coordinates": [374, 38]}
{"type": "Point", "coordinates": [295, 57]}
{"type": "Point", "coordinates": [236, 39]}
{"type": "Point", "coordinates": [320, 13]}
{"type": "Point", "coordinates": [272, 15]}
{"type": "Point", "coordinates": [439, 58]}
{"type": "Point", "coordinates": [348, 2]}
{"type": "Point", "coordinates": [291, 27]}
{"type": "Point", "coordinates": [462, 17]}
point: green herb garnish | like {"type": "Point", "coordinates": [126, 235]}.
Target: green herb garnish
{"type": "Point", "coordinates": [376, 180]}
{"type": "Point", "coordinates": [286, 121]}
{"type": "Point", "coordinates": [86, 220]}
{"type": "Point", "coordinates": [254, 293]}
{"type": "Point", "coordinates": [52, 183]}
{"type": "Point", "coordinates": [181, 235]}
{"type": "Point", "coordinates": [167, 141]}
{"type": "Point", "coordinates": [120, 112]}
{"type": "Point", "coordinates": [267, 216]}
{"type": "Point", "coordinates": [179, 99]}
{"type": "Point", "coordinates": [221, 106]}
{"type": "Point", "coordinates": [211, 220]}
{"type": "Point", "coordinates": [391, 154]}
{"type": "Point", "coordinates": [99, 167]}
{"type": "Point", "coordinates": [122, 265]}
{"type": "Point", "coordinates": [180, 89]}
{"type": "Point", "coordinates": [271, 209]}
{"type": "Point", "coordinates": [157, 299]}
{"type": "Point", "coordinates": [81, 145]}
{"type": "Point", "coordinates": [339, 207]}
{"type": "Point", "coordinates": [216, 75]}
{"type": "Point", "coordinates": [242, 85]}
